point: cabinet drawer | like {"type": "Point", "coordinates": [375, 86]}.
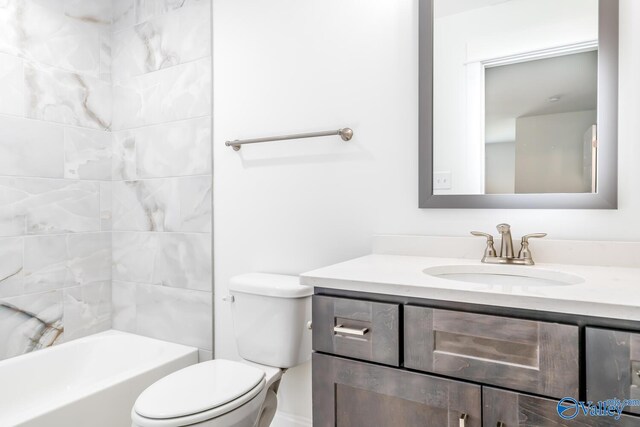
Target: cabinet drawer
{"type": "Point", "coordinates": [613, 365]}
{"type": "Point", "coordinates": [348, 393]}
{"type": "Point", "coordinates": [510, 409]}
{"type": "Point", "coordinates": [360, 329]}
{"type": "Point", "coordinates": [537, 357]}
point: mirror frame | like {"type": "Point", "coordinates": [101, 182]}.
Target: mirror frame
{"type": "Point", "coordinates": [606, 196]}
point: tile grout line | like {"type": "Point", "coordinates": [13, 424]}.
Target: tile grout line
{"type": "Point", "coordinates": [51, 123]}
{"type": "Point", "coordinates": [43, 64]}
{"type": "Point", "coordinates": [49, 178]}
{"type": "Point", "coordinates": [159, 285]}
{"type": "Point", "coordinates": [133, 128]}
{"type": "Point", "coordinates": [122, 82]}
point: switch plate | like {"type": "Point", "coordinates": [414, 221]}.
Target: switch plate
{"type": "Point", "coordinates": [442, 181]}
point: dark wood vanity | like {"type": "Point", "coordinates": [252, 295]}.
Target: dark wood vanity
{"type": "Point", "coordinates": [383, 360]}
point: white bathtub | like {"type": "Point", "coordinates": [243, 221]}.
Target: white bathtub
{"type": "Point", "coordinates": [89, 382]}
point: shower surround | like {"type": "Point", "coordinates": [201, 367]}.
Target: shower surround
{"type": "Point", "coordinates": [55, 173]}
{"type": "Point", "coordinates": [162, 188]}
{"type": "Point", "coordinates": [105, 171]}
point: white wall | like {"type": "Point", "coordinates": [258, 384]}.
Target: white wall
{"type": "Point", "coordinates": [288, 207]}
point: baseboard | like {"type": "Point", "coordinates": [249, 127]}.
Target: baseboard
{"type": "Point", "coordinates": [282, 419]}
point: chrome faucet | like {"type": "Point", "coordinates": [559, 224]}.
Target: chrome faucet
{"type": "Point", "coordinates": [506, 247]}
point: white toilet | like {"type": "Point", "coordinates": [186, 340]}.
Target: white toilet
{"type": "Point", "coordinates": [270, 316]}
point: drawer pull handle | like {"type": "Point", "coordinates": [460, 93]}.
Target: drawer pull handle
{"type": "Point", "coordinates": [339, 329]}
{"type": "Point", "coordinates": [463, 420]}
{"type": "Point", "coordinates": [501, 424]}
{"type": "Point", "coordinates": [638, 373]}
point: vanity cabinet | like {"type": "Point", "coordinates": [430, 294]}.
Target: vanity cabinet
{"type": "Point", "coordinates": [391, 361]}
{"type": "Point", "coordinates": [613, 365]}
{"type": "Point", "coordinates": [527, 355]}
{"type": "Point", "coordinates": [349, 393]}
{"type": "Point", "coordinates": [510, 409]}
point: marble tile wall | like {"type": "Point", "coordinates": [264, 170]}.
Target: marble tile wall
{"type": "Point", "coordinates": [162, 174]}
{"type": "Point", "coordinates": [44, 34]}
{"type": "Point", "coordinates": [161, 40]}
{"type": "Point", "coordinates": [178, 260]}
{"type": "Point", "coordinates": [105, 171]}
{"type": "Point", "coordinates": [170, 94]}
{"type": "Point", "coordinates": [173, 149]}
{"type": "Point", "coordinates": [58, 96]}
{"type": "Point", "coordinates": [55, 172]}
{"type": "Point", "coordinates": [180, 204]}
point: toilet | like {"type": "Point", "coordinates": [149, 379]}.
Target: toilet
{"type": "Point", "coordinates": [271, 314]}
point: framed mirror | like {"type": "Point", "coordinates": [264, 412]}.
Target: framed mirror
{"type": "Point", "coordinates": [518, 104]}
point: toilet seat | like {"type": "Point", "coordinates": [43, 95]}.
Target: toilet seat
{"type": "Point", "coordinates": [198, 393]}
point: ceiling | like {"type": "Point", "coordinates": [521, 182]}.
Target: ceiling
{"type": "Point", "coordinates": [524, 89]}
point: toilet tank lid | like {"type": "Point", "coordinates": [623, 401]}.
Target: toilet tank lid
{"type": "Point", "coordinates": [272, 285]}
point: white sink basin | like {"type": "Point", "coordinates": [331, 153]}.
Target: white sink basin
{"type": "Point", "coordinates": [504, 275]}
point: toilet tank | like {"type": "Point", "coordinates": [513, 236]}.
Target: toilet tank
{"type": "Point", "coordinates": [270, 317]}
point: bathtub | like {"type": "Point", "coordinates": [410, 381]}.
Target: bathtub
{"type": "Point", "coordinates": [89, 382]}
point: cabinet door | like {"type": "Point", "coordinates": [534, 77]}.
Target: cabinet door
{"type": "Point", "coordinates": [537, 357]}
{"type": "Point", "coordinates": [613, 365]}
{"type": "Point", "coordinates": [359, 329]}
{"type": "Point", "coordinates": [510, 409]}
{"type": "Point", "coordinates": [348, 393]}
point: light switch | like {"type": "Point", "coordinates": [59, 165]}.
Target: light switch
{"type": "Point", "coordinates": [442, 181]}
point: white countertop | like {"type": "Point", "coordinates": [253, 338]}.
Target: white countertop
{"type": "Point", "coordinates": [610, 292]}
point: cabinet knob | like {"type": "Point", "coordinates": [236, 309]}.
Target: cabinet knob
{"type": "Point", "coordinates": [463, 420]}
{"type": "Point", "coordinates": [501, 424]}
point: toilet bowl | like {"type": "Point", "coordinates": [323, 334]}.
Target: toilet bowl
{"type": "Point", "coordinates": [270, 314]}
{"type": "Point", "coordinates": [216, 393]}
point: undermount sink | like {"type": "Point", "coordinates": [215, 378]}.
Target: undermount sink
{"type": "Point", "coordinates": [504, 275]}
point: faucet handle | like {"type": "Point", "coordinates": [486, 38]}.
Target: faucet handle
{"type": "Point", "coordinates": [525, 252]}
{"type": "Point", "coordinates": [481, 234]}
{"type": "Point", "coordinates": [490, 251]}
{"type": "Point", "coordinates": [525, 238]}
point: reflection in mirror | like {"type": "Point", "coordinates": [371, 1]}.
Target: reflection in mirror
{"type": "Point", "coordinates": [540, 116]}
{"type": "Point", "coordinates": [515, 96]}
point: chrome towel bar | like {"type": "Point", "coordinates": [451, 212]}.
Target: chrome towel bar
{"type": "Point", "coordinates": [346, 134]}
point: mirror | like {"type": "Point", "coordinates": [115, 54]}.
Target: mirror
{"type": "Point", "coordinates": [518, 103]}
